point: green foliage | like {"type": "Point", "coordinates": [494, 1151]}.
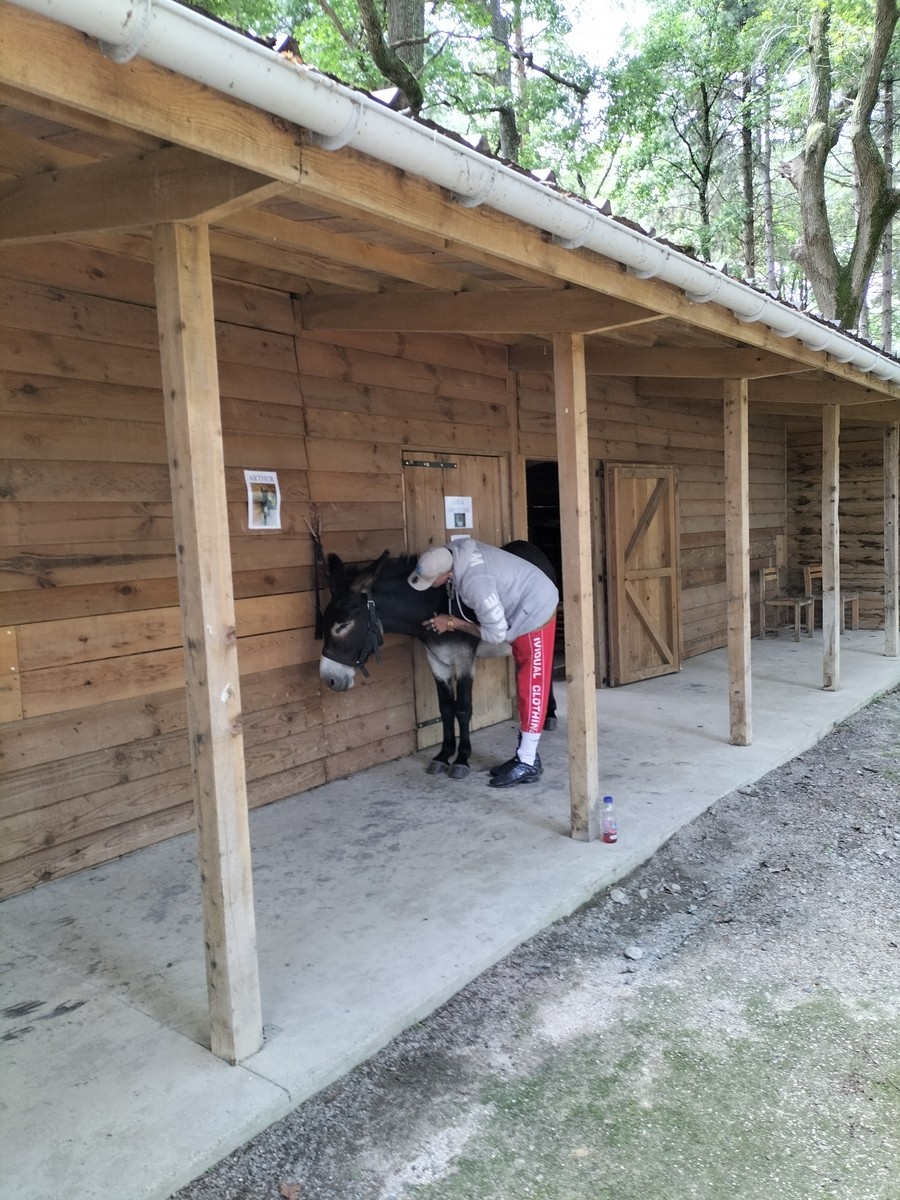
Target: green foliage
{"type": "Point", "coordinates": [681, 94]}
{"type": "Point", "coordinates": [468, 75]}
{"type": "Point", "coordinates": [676, 109]}
{"type": "Point", "coordinates": [661, 130]}
{"type": "Point", "coordinates": [266, 18]}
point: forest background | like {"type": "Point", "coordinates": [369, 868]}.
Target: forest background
{"type": "Point", "coordinates": [757, 134]}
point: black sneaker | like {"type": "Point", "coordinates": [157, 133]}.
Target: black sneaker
{"type": "Point", "coordinates": [515, 772]}
{"type": "Point", "coordinates": [510, 763]}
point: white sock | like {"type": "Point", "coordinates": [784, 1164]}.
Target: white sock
{"type": "Point", "coordinates": [528, 744]}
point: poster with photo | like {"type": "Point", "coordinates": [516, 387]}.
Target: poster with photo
{"type": "Point", "coordinates": [263, 500]}
{"type": "Point", "coordinates": [458, 513]}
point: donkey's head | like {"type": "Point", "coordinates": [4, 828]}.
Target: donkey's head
{"type": "Point", "coordinates": [352, 631]}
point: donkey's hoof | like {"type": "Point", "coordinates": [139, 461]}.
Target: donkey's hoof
{"type": "Point", "coordinates": [459, 770]}
{"type": "Point", "coordinates": [436, 767]}
{"type": "Point", "coordinates": [549, 724]}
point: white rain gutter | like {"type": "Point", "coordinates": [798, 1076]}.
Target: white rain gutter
{"type": "Point", "coordinates": [192, 45]}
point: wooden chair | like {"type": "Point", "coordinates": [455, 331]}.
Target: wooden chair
{"type": "Point", "coordinates": [772, 596]}
{"type": "Point", "coordinates": [812, 579]}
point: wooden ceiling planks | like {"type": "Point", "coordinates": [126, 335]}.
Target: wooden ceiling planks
{"type": "Point", "coordinates": [346, 223]}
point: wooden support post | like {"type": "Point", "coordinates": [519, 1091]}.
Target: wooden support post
{"type": "Point", "coordinates": [891, 545]}
{"type": "Point", "coordinates": [196, 464]}
{"type": "Point", "coordinates": [577, 584]}
{"type": "Point", "coordinates": [737, 559]}
{"type": "Point", "coordinates": [831, 547]}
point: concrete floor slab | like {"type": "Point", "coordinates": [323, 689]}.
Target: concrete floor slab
{"type": "Point", "coordinates": [377, 898]}
{"type": "Point", "coordinates": [101, 1099]}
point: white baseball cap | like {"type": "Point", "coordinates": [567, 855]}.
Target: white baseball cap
{"type": "Point", "coordinates": [434, 562]}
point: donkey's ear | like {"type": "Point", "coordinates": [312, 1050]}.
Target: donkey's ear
{"type": "Point", "coordinates": [368, 576]}
{"type": "Point", "coordinates": [337, 572]}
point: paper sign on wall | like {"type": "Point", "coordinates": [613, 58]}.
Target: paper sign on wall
{"type": "Point", "coordinates": [458, 512]}
{"type": "Point", "coordinates": [263, 500]}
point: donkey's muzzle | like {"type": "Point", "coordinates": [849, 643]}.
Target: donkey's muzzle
{"type": "Point", "coordinates": [340, 678]}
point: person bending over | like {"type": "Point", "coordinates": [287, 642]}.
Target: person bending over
{"type": "Point", "coordinates": [513, 601]}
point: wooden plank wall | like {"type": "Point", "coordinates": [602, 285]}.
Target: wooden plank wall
{"type": "Point", "coordinates": [93, 745]}
{"type": "Point", "coordinates": [689, 435]}
{"type": "Point", "coordinates": [860, 512]}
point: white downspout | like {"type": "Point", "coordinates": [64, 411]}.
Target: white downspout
{"type": "Point", "coordinates": [198, 48]}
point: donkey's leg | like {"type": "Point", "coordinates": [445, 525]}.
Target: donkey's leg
{"type": "Point", "coordinates": [464, 681]}
{"type": "Point", "coordinates": [440, 764]}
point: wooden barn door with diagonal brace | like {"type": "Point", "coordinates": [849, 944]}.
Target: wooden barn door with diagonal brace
{"type": "Point", "coordinates": [641, 533]}
{"type": "Point", "coordinates": [481, 479]}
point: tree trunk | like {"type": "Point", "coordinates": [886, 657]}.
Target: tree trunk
{"type": "Point", "coordinates": [386, 59]}
{"type": "Point", "coordinates": [406, 32]}
{"type": "Point", "coordinates": [704, 165]}
{"type": "Point", "coordinates": [510, 142]}
{"type": "Point", "coordinates": [878, 203]}
{"type": "Point", "coordinates": [887, 258]}
{"type": "Point", "coordinates": [749, 216]}
{"type": "Point", "coordinates": [840, 287]}
{"type": "Point", "coordinates": [815, 251]}
{"type": "Point", "coordinates": [520, 78]}
{"type": "Point", "coordinates": [768, 202]}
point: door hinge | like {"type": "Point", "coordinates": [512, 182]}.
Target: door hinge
{"type": "Point", "coordinates": [420, 462]}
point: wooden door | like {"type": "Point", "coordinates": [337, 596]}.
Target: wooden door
{"type": "Point", "coordinates": [643, 594]}
{"type": "Point", "coordinates": [428, 480]}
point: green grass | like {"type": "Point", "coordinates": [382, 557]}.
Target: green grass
{"type": "Point", "coordinates": [799, 1100]}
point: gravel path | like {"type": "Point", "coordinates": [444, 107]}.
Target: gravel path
{"type": "Point", "coordinates": [722, 1025]}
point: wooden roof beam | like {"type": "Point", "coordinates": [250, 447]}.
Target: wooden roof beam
{"type": "Point", "coordinates": [25, 156]}
{"type": "Point", "coordinates": [154, 187]}
{"type": "Point", "coordinates": [667, 362]}
{"type": "Point", "coordinates": [532, 310]}
{"type": "Point", "coordinates": [810, 391]}
{"type": "Point", "coordinates": [435, 241]}
{"type": "Point", "coordinates": [253, 262]}
{"type": "Point", "coordinates": [310, 237]}
{"type": "Point", "coordinates": [885, 412]}
{"type": "Point", "coordinates": [138, 102]}
{"type": "Point", "coordinates": [425, 206]}
{"type": "Point", "coordinates": [61, 112]}
{"type": "Point", "coordinates": [294, 266]}
{"type": "Point", "coordinates": [814, 389]}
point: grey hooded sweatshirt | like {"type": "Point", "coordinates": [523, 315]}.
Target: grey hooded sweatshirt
{"type": "Point", "coordinates": [508, 595]}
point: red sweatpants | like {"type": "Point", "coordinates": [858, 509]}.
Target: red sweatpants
{"type": "Point", "coordinates": [533, 653]}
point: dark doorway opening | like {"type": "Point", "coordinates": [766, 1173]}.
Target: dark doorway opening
{"type": "Point", "coordinates": [542, 501]}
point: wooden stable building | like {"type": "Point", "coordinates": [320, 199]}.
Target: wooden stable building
{"type": "Point", "coordinates": [215, 261]}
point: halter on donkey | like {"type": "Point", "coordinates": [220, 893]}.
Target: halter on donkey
{"type": "Point", "coordinates": [367, 602]}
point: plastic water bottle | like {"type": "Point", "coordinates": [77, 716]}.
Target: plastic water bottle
{"type": "Point", "coordinates": [609, 826]}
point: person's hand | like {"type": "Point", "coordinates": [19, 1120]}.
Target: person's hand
{"type": "Point", "coordinates": [440, 623]}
